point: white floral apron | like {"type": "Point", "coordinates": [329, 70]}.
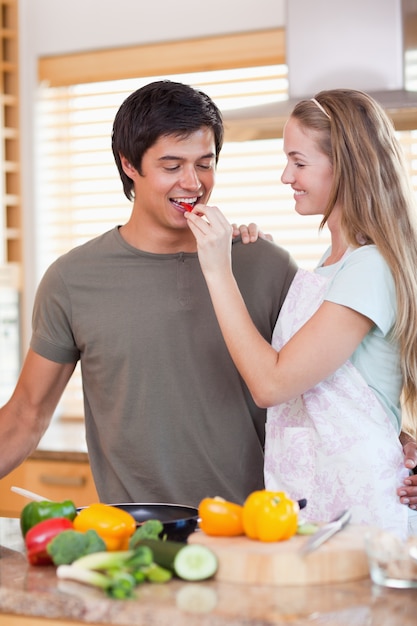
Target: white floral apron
{"type": "Point", "coordinates": [333, 445]}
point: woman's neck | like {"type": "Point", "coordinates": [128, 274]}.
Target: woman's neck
{"type": "Point", "coordinates": [338, 241]}
{"type": "Point", "coordinates": [335, 254]}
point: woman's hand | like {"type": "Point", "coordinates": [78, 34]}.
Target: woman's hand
{"type": "Point", "coordinates": [408, 491]}
{"type": "Point", "coordinates": [213, 234]}
{"type": "Point", "coordinates": [250, 233]}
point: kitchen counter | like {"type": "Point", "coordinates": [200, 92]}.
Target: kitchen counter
{"type": "Point", "coordinates": [34, 593]}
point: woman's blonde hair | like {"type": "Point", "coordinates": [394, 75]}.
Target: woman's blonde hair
{"type": "Point", "coordinates": [372, 185]}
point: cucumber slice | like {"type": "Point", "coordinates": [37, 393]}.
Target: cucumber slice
{"type": "Point", "coordinates": [195, 562]}
{"type": "Point", "coordinates": [187, 561]}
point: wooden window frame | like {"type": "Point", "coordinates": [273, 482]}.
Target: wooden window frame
{"type": "Point", "coordinates": [252, 49]}
{"type": "Point", "coordinates": [266, 47]}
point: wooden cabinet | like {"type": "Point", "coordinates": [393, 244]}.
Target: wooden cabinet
{"type": "Point", "coordinates": [56, 480]}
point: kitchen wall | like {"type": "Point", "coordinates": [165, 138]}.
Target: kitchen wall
{"type": "Point", "coordinates": [58, 26]}
{"type": "Point", "coordinates": [52, 27]}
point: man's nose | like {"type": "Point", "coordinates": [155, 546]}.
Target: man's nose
{"type": "Point", "coordinates": [190, 179]}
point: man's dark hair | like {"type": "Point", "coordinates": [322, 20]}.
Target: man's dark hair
{"type": "Point", "coordinates": [161, 108]}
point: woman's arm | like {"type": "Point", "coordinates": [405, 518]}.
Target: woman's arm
{"type": "Point", "coordinates": [318, 349]}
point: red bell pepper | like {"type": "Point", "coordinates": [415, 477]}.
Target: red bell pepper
{"type": "Point", "coordinates": [38, 537]}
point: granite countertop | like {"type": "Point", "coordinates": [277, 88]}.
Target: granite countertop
{"type": "Point", "coordinates": [36, 592]}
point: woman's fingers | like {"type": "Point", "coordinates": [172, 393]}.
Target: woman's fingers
{"type": "Point", "coordinates": [208, 219]}
{"type": "Point", "coordinates": [250, 233]}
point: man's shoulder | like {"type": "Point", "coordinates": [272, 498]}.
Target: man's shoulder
{"type": "Point", "coordinates": [260, 249]}
{"type": "Point", "coordinates": [96, 246]}
{"type": "Point", "coordinates": [264, 262]}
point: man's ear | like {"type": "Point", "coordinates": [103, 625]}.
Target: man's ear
{"type": "Point", "coordinates": [128, 168]}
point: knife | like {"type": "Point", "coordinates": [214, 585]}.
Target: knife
{"type": "Point", "coordinates": [325, 532]}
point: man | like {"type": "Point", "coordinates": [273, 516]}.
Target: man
{"type": "Point", "coordinates": [168, 418]}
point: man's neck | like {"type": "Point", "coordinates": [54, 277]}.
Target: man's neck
{"type": "Point", "coordinates": [158, 241]}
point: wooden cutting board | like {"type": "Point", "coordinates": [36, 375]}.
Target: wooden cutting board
{"type": "Point", "coordinates": [241, 560]}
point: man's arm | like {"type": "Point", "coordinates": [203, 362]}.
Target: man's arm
{"type": "Point", "coordinates": [26, 416]}
{"type": "Point", "coordinates": [408, 491]}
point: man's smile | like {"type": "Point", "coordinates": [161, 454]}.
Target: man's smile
{"type": "Point", "coordinates": [184, 204]}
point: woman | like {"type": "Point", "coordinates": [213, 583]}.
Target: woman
{"type": "Point", "coordinates": [345, 346]}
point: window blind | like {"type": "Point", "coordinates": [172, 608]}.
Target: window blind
{"type": "Point", "coordinates": [80, 194]}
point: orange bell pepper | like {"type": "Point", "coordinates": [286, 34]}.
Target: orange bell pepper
{"type": "Point", "coordinates": [270, 516]}
{"type": "Point", "coordinates": [220, 518]}
{"type": "Point", "coordinates": [115, 526]}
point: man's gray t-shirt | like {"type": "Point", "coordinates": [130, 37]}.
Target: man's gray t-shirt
{"type": "Point", "coordinates": [168, 418]}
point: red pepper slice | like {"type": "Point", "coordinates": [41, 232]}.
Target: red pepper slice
{"type": "Point", "coordinates": [38, 537]}
{"type": "Point", "coordinates": [186, 206]}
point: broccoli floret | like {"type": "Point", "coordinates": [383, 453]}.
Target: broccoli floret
{"type": "Point", "coordinates": [70, 545]}
{"type": "Point", "coordinates": [151, 529]}
{"type": "Point", "coordinates": [117, 573]}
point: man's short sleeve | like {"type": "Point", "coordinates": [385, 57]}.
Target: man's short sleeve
{"type": "Point", "coordinates": [52, 335]}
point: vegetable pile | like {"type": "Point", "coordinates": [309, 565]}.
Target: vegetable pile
{"type": "Point", "coordinates": [102, 546]}
{"type": "Point", "coordinates": [264, 516]}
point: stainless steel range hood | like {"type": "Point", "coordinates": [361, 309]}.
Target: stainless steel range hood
{"type": "Point", "coordinates": [363, 44]}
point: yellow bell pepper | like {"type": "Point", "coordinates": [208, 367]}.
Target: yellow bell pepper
{"type": "Point", "coordinates": [112, 524]}
{"type": "Point", "coordinates": [270, 516]}
{"type": "Point", "coordinates": [220, 518]}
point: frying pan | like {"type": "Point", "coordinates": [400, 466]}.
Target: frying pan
{"type": "Point", "coordinates": [179, 521]}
